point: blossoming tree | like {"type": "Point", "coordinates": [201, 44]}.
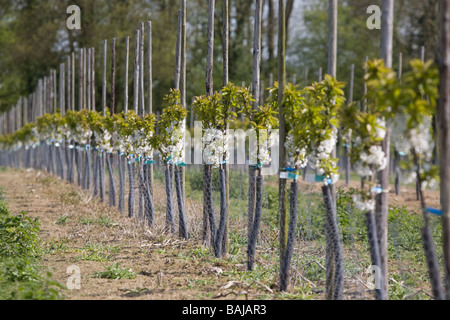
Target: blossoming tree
{"type": "Point", "coordinates": [170, 143]}
{"type": "Point", "coordinates": [314, 130]}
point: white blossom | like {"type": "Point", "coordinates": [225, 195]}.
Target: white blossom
{"type": "Point", "coordinates": [215, 146]}
{"type": "Point", "coordinates": [363, 205]}
{"type": "Point", "coordinates": [295, 156]}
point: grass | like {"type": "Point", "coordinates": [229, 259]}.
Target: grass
{"type": "Point", "coordinates": [101, 221]}
{"type": "Point", "coordinates": [97, 252]}
{"type": "Point", "coordinates": [56, 247]}
{"type": "Point", "coordinates": [62, 221]}
{"type": "Point", "coordinates": [115, 272]}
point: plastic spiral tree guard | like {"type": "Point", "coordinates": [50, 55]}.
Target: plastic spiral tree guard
{"type": "Point", "coordinates": [223, 215]}
{"type": "Point", "coordinates": [183, 229]}
{"type": "Point", "coordinates": [170, 222]}
{"type": "Point", "coordinates": [334, 264]}
{"type": "Point", "coordinates": [112, 184]}
{"type": "Point", "coordinates": [374, 251]}
{"type": "Point", "coordinates": [121, 164]}
{"type": "Point", "coordinates": [131, 196]}
{"type": "Point", "coordinates": [286, 265]}
{"type": "Point", "coordinates": [149, 206]}
{"type": "Point", "coordinates": [255, 227]}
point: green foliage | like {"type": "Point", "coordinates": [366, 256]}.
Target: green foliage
{"type": "Point", "coordinates": [19, 236]}
{"type": "Point", "coordinates": [20, 252]}
{"type": "Point", "coordinates": [218, 110]}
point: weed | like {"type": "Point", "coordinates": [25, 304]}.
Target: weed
{"type": "Point", "coordinates": [136, 292]}
{"type": "Point", "coordinates": [55, 247]}
{"type": "Point", "coordinates": [62, 221]}
{"type": "Point", "coordinates": [115, 272]}
{"type": "Point", "coordinates": [94, 256]}
{"type": "Point", "coordinates": [101, 221]}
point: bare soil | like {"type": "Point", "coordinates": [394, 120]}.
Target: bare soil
{"type": "Point", "coordinates": [166, 267]}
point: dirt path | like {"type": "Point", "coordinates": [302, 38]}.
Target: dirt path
{"type": "Point", "coordinates": [88, 230]}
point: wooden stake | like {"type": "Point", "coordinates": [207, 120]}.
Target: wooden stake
{"type": "Point", "coordinates": [444, 134]}
{"type": "Point", "coordinates": [257, 52]}
{"type": "Point", "coordinates": [210, 49]}
{"type": "Point", "coordinates": [141, 71]}
{"type": "Point", "coordinates": [177, 74]}
{"type": "Point", "coordinates": [88, 79]}
{"type": "Point", "coordinates": [332, 36]}
{"type": "Point", "coordinates": [382, 207]}
{"type": "Point", "coordinates": [149, 68]}
{"type": "Point", "coordinates": [80, 81]}
{"type": "Point", "coordinates": [73, 82]}
{"type": "Point", "coordinates": [62, 98]}
{"type": "Point", "coordinates": [105, 53]}
{"type": "Point", "coordinates": [127, 56]}
{"type": "Point", "coordinates": [92, 88]}
{"type": "Point", "coordinates": [226, 41]}
{"type": "Point", "coordinates": [113, 76]}
{"type": "Point", "coordinates": [284, 218]}
{"type": "Point", "coordinates": [69, 81]}
{"type": "Point", "coordinates": [136, 71]}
